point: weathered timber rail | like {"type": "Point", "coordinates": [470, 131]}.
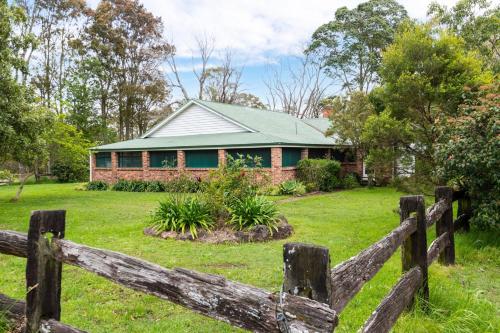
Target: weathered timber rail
{"type": "Point", "coordinates": [312, 293]}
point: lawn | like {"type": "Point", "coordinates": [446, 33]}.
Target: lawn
{"type": "Point", "coordinates": [464, 298]}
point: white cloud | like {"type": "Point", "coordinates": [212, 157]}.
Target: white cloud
{"type": "Point", "coordinates": [256, 30]}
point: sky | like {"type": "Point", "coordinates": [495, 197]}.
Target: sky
{"type": "Point", "coordinates": [259, 33]}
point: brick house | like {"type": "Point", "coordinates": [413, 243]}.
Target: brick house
{"type": "Point", "coordinates": [200, 135]}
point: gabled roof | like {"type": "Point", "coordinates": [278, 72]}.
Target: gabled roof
{"type": "Point", "coordinates": [265, 128]}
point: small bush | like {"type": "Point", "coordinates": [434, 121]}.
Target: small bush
{"type": "Point", "coordinates": [121, 185]}
{"type": "Point", "coordinates": [96, 185]}
{"type": "Point", "coordinates": [350, 181]}
{"type": "Point", "coordinates": [180, 213]}
{"type": "Point", "coordinates": [155, 186]}
{"type": "Point", "coordinates": [6, 175]}
{"type": "Point", "coordinates": [69, 173]}
{"type": "Point", "coordinates": [319, 174]}
{"type": "Point", "coordinates": [184, 184]}
{"type": "Point", "coordinates": [292, 187]}
{"type": "Point", "coordinates": [254, 210]}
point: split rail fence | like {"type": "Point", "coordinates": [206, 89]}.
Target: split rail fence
{"type": "Point", "coordinates": [311, 296]}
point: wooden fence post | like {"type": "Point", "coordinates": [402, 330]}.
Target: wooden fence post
{"type": "Point", "coordinates": [464, 208]}
{"type": "Point", "coordinates": [414, 248]}
{"type": "Point", "coordinates": [307, 271]}
{"type": "Point", "coordinates": [43, 272]}
{"type": "Point", "coordinates": [445, 224]}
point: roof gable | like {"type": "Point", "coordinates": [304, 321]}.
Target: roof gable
{"type": "Point", "coordinates": [195, 119]}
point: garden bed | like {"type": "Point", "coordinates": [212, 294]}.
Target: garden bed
{"type": "Point", "coordinates": [259, 233]}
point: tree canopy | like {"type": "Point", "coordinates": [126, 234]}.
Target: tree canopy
{"type": "Point", "coordinates": [352, 43]}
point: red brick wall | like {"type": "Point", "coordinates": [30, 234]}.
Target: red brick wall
{"type": "Point", "coordinates": [277, 173]}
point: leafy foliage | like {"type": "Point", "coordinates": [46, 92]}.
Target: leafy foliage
{"type": "Point", "coordinates": [182, 213]}
{"type": "Point", "coordinates": [319, 174]}
{"type": "Point", "coordinates": [6, 175]}
{"type": "Point", "coordinates": [237, 179]}
{"type": "Point", "coordinates": [291, 187]}
{"type": "Point", "coordinates": [385, 139]}
{"type": "Point", "coordinates": [350, 181]}
{"type": "Point", "coordinates": [96, 185]}
{"type": "Point", "coordinates": [476, 22]}
{"type": "Point", "coordinates": [469, 152]}
{"type": "Point", "coordinates": [352, 43]}
{"type": "Point", "coordinates": [348, 116]}
{"type": "Point", "coordinates": [424, 72]}
{"type": "Point", "coordinates": [69, 151]}
{"type": "Point", "coordinates": [252, 211]}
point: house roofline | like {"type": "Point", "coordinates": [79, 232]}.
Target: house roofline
{"type": "Point", "coordinates": [183, 108]}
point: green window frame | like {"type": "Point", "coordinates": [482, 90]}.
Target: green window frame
{"type": "Point", "coordinates": [290, 157]}
{"type": "Point", "coordinates": [103, 160]}
{"type": "Point", "coordinates": [202, 159]}
{"type": "Point", "coordinates": [163, 159]}
{"type": "Point", "coordinates": [263, 153]}
{"type": "Point", "coordinates": [132, 159]}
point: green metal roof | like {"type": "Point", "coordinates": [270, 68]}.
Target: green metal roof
{"type": "Point", "coordinates": [269, 129]}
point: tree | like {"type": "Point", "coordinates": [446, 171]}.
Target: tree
{"type": "Point", "coordinates": [424, 72]}
{"type": "Point", "coordinates": [477, 23]}
{"type": "Point", "coordinates": [469, 152]}
{"type": "Point", "coordinates": [249, 100]}
{"type": "Point", "coordinates": [297, 90]}
{"type": "Point", "coordinates": [21, 126]}
{"type": "Point", "coordinates": [69, 151]}
{"type": "Point", "coordinates": [348, 116]}
{"type": "Point", "coordinates": [222, 83]}
{"type": "Point", "coordinates": [126, 41]}
{"type": "Point", "coordinates": [386, 140]}
{"type": "Point", "coordinates": [351, 45]}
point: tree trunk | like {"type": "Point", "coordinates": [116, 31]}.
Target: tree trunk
{"type": "Point", "coordinates": [21, 186]}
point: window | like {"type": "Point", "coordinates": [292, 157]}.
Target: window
{"type": "Point", "coordinates": [290, 157]}
{"type": "Point", "coordinates": [131, 159]}
{"type": "Point", "coordinates": [103, 160]}
{"type": "Point", "coordinates": [344, 155]}
{"type": "Point", "coordinates": [263, 153]}
{"type": "Point", "coordinates": [163, 159]}
{"type": "Point", "coordinates": [318, 153]}
{"type": "Point", "coordinates": [202, 159]}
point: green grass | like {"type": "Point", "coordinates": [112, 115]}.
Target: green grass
{"type": "Point", "coordinates": [464, 298]}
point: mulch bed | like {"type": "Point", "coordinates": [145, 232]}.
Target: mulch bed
{"type": "Point", "coordinates": [259, 233]}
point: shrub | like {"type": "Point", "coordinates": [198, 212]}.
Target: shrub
{"type": "Point", "coordinates": [350, 181]}
{"type": "Point", "coordinates": [180, 213]}
{"type": "Point", "coordinates": [121, 185]}
{"type": "Point", "coordinates": [69, 173]}
{"type": "Point", "coordinates": [252, 211]}
{"type": "Point", "coordinates": [96, 185]}
{"type": "Point", "coordinates": [184, 184]}
{"type": "Point", "coordinates": [231, 182]}
{"type": "Point", "coordinates": [155, 186]}
{"type": "Point", "coordinates": [6, 175]}
{"type": "Point", "coordinates": [319, 174]}
{"type": "Point", "coordinates": [292, 187]}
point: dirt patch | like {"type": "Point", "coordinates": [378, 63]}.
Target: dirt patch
{"type": "Point", "coordinates": [259, 233]}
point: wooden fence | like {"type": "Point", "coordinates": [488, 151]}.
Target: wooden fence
{"type": "Point", "coordinates": [312, 293]}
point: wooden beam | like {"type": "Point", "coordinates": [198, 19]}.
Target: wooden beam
{"type": "Point", "coordinates": [445, 225]}
{"type": "Point", "coordinates": [238, 304]}
{"type": "Point", "coordinates": [43, 272]}
{"type": "Point", "coordinates": [307, 271]}
{"type": "Point", "coordinates": [436, 211]}
{"type": "Point", "coordinates": [436, 247]}
{"type": "Point", "coordinates": [349, 276]}
{"type": "Point", "coordinates": [15, 309]}
{"type": "Point", "coordinates": [13, 243]}
{"type": "Point", "coordinates": [414, 248]}
{"type": "Point", "coordinates": [400, 297]}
